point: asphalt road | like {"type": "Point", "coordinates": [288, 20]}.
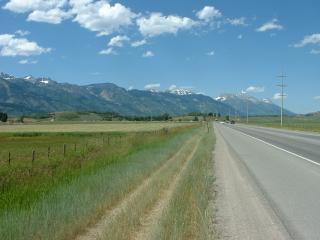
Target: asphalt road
{"type": "Point", "coordinates": [285, 167]}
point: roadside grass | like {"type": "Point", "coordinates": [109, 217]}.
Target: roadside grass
{"type": "Point", "coordinates": [190, 213]}
{"type": "Point", "coordinates": [300, 123]}
{"type": "Point", "coordinates": [59, 206]}
{"type": "Point", "coordinates": [130, 219]}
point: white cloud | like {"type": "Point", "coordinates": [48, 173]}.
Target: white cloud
{"type": "Point", "coordinates": [278, 96]}
{"type": "Point", "coordinates": [157, 24]}
{"type": "Point", "coordinates": [315, 52]}
{"type": "Point", "coordinates": [26, 61]}
{"type": "Point", "coordinates": [310, 39]}
{"type": "Point", "coordinates": [118, 41]}
{"type": "Point", "coordinates": [240, 36]}
{"type": "Point", "coordinates": [148, 54]}
{"type": "Point", "coordinates": [271, 25]}
{"type": "Point", "coordinates": [237, 21]}
{"type": "Point", "coordinates": [130, 88]}
{"type": "Point", "coordinates": [12, 46]}
{"type": "Point", "coordinates": [22, 33]}
{"type": "Point", "coordinates": [211, 53]}
{"type": "Point", "coordinates": [317, 98]}
{"type": "Point", "coordinates": [108, 51]}
{"type": "Point", "coordinates": [139, 43]}
{"type": "Point", "coordinates": [53, 16]}
{"type": "Point", "coordinates": [255, 89]}
{"type": "Point", "coordinates": [152, 86]}
{"type": "Point", "coordinates": [23, 6]}
{"type": "Point", "coordinates": [208, 13]}
{"type": "Point", "coordinates": [102, 17]}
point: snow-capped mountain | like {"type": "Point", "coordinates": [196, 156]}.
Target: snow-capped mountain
{"type": "Point", "coordinates": [24, 95]}
{"type": "Point", "coordinates": [181, 91]}
{"type": "Point", "coordinates": [256, 106]}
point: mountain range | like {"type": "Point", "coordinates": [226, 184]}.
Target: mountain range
{"type": "Point", "coordinates": [26, 95]}
{"type": "Point", "coordinates": [256, 107]}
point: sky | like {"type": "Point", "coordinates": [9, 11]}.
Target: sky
{"type": "Point", "coordinates": [211, 46]}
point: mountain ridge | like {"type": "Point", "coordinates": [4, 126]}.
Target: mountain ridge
{"type": "Point", "coordinates": [24, 95]}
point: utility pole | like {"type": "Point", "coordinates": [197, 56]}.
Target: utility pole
{"type": "Point", "coordinates": [282, 77]}
{"type": "Point", "coordinates": [247, 110]}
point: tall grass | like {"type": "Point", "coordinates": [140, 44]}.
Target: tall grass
{"type": "Point", "coordinates": [126, 224]}
{"type": "Point", "coordinates": [190, 214]}
{"type": "Point", "coordinates": [76, 198]}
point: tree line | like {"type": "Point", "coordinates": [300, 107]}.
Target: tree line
{"type": "Point", "coordinates": [3, 117]}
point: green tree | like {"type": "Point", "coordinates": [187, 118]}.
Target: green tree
{"type": "Point", "coordinates": [3, 117]}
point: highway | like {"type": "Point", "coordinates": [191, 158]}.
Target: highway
{"type": "Point", "coordinates": [276, 174]}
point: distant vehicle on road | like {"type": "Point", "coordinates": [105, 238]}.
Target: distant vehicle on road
{"type": "Point", "coordinates": [232, 122]}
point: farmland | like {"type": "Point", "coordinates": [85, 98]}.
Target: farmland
{"type": "Point", "coordinates": [106, 181]}
{"type": "Point", "coordinates": [309, 123]}
{"type": "Point", "coordinates": [88, 127]}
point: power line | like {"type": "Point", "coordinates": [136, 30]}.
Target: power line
{"type": "Point", "coordinates": [282, 77]}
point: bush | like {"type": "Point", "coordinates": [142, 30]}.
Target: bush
{"type": "Point", "coordinates": [3, 117]}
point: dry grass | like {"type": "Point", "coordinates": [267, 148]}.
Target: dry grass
{"type": "Point", "coordinates": [90, 127]}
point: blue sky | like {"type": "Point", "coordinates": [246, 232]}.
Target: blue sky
{"type": "Point", "coordinates": [215, 47]}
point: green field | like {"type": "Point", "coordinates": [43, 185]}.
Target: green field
{"type": "Point", "coordinates": [62, 181]}
{"type": "Point", "coordinates": [301, 123]}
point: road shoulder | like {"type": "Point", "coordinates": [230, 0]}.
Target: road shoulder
{"type": "Point", "coordinates": [243, 212]}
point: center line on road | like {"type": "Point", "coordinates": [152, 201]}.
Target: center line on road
{"type": "Point", "coordinates": [279, 148]}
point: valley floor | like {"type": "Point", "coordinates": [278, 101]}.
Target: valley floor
{"type": "Point", "coordinates": [164, 190]}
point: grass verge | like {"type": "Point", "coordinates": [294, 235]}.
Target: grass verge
{"type": "Point", "coordinates": [190, 212]}
{"type": "Point", "coordinates": [77, 198]}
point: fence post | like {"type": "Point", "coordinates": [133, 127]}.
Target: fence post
{"type": "Point", "coordinates": [9, 158]}
{"type": "Point", "coordinates": [75, 147]}
{"type": "Point", "coordinates": [48, 152]}
{"type": "Point", "coordinates": [64, 150]}
{"type": "Point", "coordinates": [33, 155]}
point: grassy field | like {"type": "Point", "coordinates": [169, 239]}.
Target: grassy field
{"type": "Point", "coordinates": [301, 123]}
{"type": "Point", "coordinates": [120, 176]}
{"type": "Point", "coordinates": [89, 127]}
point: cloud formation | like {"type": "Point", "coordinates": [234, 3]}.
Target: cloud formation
{"type": "Point", "coordinates": [24, 6]}
{"type": "Point", "coordinates": [271, 25]}
{"type": "Point", "coordinates": [208, 13]}
{"type": "Point", "coordinates": [22, 33]}
{"type": "Point", "coordinates": [53, 16]}
{"type": "Point", "coordinates": [139, 43]}
{"type": "Point", "coordinates": [101, 16]}
{"type": "Point", "coordinates": [11, 46]}
{"type": "Point", "coordinates": [255, 89]}
{"type": "Point", "coordinates": [148, 54]}
{"type": "Point", "coordinates": [108, 51]}
{"type": "Point", "coordinates": [152, 87]}
{"type": "Point", "coordinates": [278, 96]}
{"type": "Point", "coordinates": [237, 21]}
{"type": "Point", "coordinates": [27, 61]}
{"type": "Point", "coordinates": [309, 39]}
{"type": "Point", "coordinates": [157, 24]}
{"type": "Point", "coordinates": [118, 41]}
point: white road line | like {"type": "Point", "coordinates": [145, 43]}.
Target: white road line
{"type": "Point", "coordinates": [284, 150]}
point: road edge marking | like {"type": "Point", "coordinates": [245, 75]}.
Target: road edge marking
{"type": "Point", "coordinates": [279, 148]}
